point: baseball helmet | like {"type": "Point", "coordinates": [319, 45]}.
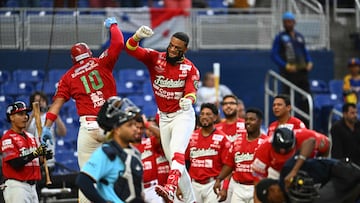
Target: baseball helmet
{"type": "Point", "coordinates": [115, 112]}
{"type": "Point", "coordinates": [16, 107]}
{"type": "Point", "coordinates": [302, 188]}
{"type": "Point", "coordinates": [283, 140]}
{"type": "Point", "coordinates": [80, 51]}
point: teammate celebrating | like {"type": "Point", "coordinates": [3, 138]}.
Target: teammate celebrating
{"type": "Point", "coordinates": [20, 162]}
{"type": "Point", "coordinates": [206, 153]}
{"type": "Point", "coordinates": [90, 82]}
{"type": "Point", "coordinates": [240, 158]}
{"type": "Point", "coordinates": [281, 109]}
{"type": "Point", "coordinates": [116, 166]}
{"type": "Point", "coordinates": [175, 81]}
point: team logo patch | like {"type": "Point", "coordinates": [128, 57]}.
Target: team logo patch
{"type": "Point", "coordinates": [185, 67]}
{"type": "Point", "coordinates": [196, 84]}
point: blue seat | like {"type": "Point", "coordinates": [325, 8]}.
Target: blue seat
{"type": "Point", "coordinates": [54, 75]}
{"type": "Point", "coordinates": [13, 88]}
{"type": "Point", "coordinates": [323, 104]}
{"type": "Point", "coordinates": [336, 87]}
{"type": "Point", "coordinates": [128, 87]}
{"type": "Point", "coordinates": [135, 75]}
{"type": "Point", "coordinates": [138, 100]}
{"type": "Point", "coordinates": [48, 87]}
{"type": "Point", "coordinates": [24, 98]}
{"type": "Point", "coordinates": [5, 76]}
{"type": "Point", "coordinates": [150, 109]}
{"type": "Point", "coordinates": [325, 100]}
{"type": "Point", "coordinates": [147, 87]}
{"type": "Point", "coordinates": [318, 86]}
{"type": "Point", "coordinates": [33, 76]}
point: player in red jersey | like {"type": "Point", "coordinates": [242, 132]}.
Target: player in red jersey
{"type": "Point", "coordinates": [277, 149]}
{"type": "Point", "coordinates": [281, 109]}
{"type": "Point", "coordinates": [241, 156]}
{"type": "Point", "coordinates": [206, 154]}
{"type": "Point", "coordinates": [175, 81]}
{"type": "Point", "coordinates": [20, 151]}
{"type": "Point", "coordinates": [148, 145]}
{"type": "Point", "coordinates": [232, 125]}
{"type": "Point", "coordinates": [89, 82]}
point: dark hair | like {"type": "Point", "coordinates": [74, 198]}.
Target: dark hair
{"type": "Point", "coordinates": [346, 107]}
{"type": "Point", "coordinates": [183, 37]}
{"type": "Point", "coordinates": [256, 111]}
{"type": "Point", "coordinates": [41, 94]}
{"type": "Point", "coordinates": [284, 97]}
{"type": "Point", "coordinates": [210, 106]}
{"type": "Point", "coordinates": [231, 96]}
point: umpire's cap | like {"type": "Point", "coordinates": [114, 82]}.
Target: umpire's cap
{"type": "Point", "coordinates": [116, 111]}
{"type": "Point", "coordinates": [283, 140]}
{"type": "Point", "coordinates": [16, 107]}
{"type": "Point", "coordinates": [288, 16]}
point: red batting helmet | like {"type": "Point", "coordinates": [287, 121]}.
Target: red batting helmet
{"type": "Point", "coordinates": [16, 107]}
{"type": "Point", "coordinates": [80, 51]}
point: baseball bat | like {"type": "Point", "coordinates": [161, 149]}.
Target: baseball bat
{"type": "Point", "coordinates": [36, 111]}
{"type": "Point", "coordinates": [216, 69]}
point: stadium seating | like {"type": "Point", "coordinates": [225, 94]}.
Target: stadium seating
{"type": "Point", "coordinates": [134, 75]}
{"type": "Point", "coordinates": [5, 76]}
{"type": "Point", "coordinates": [54, 75]}
{"type": "Point", "coordinates": [13, 88]}
{"type": "Point", "coordinates": [32, 76]}
{"type": "Point", "coordinates": [323, 104]}
{"type": "Point", "coordinates": [336, 87]}
{"type": "Point", "coordinates": [318, 86]}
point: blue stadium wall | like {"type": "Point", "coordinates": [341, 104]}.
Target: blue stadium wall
{"type": "Point", "coordinates": [243, 71]}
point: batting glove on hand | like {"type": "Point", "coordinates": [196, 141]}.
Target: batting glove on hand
{"type": "Point", "coordinates": [46, 135]}
{"type": "Point", "coordinates": [185, 104]}
{"type": "Point", "coordinates": [143, 32]}
{"type": "Point", "coordinates": [109, 21]}
{"type": "Point", "coordinates": [49, 154]}
{"type": "Point", "coordinates": [40, 151]}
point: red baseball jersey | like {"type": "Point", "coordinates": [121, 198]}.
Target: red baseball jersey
{"type": "Point", "coordinates": [206, 154]}
{"type": "Point", "coordinates": [232, 130]}
{"type": "Point", "coordinates": [169, 82]}
{"type": "Point", "coordinates": [265, 156]}
{"type": "Point", "coordinates": [241, 156]}
{"type": "Point", "coordinates": [147, 148]}
{"type": "Point", "coordinates": [90, 83]}
{"type": "Point", "coordinates": [293, 123]}
{"type": "Point", "coordinates": [163, 167]}
{"type": "Point", "coordinates": [14, 145]}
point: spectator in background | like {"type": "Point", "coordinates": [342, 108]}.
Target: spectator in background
{"type": "Point", "coordinates": [345, 135]}
{"type": "Point", "coordinates": [351, 87]}
{"type": "Point", "coordinates": [103, 3]}
{"type": "Point", "coordinates": [293, 59]}
{"type": "Point", "coordinates": [281, 110]}
{"type": "Point", "coordinates": [290, 54]}
{"type": "Point", "coordinates": [241, 3]}
{"type": "Point", "coordinates": [207, 92]}
{"type": "Point", "coordinates": [58, 128]}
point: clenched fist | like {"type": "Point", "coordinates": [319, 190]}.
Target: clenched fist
{"type": "Point", "coordinates": [143, 32]}
{"type": "Point", "coordinates": [185, 104]}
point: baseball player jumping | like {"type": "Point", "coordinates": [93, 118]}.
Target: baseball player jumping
{"type": "Point", "coordinates": [175, 81]}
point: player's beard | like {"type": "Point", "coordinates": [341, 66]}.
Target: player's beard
{"type": "Point", "coordinates": [230, 115]}
{"type": "Point", "coordinates": [176, 59]}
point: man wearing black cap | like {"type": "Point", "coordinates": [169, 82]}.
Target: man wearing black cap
{"type": "Point", "coordinates": [21, 152]}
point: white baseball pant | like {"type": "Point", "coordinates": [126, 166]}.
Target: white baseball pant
{"type": "Point", "coordinates": [20, 192]}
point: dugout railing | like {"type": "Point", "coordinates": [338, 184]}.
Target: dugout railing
{"type": "Point", "coordinates": [273, 84]}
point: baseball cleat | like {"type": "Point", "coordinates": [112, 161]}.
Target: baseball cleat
{"type": "Point", "coordinates": [167, 192]}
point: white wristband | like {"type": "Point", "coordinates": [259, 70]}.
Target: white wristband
{"type": "Point", "coordinates": [302, 157]}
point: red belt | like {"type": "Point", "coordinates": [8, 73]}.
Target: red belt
{"type": "Point", "coordinates": [90, 118]}
{"type": "Point", "coordinates": [205, 181]}
{"type": "Point", "coordinates": [149, 184]}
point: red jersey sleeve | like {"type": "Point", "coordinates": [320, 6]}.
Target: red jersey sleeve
{"type": "Point", "coordinates": [109, 57]}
